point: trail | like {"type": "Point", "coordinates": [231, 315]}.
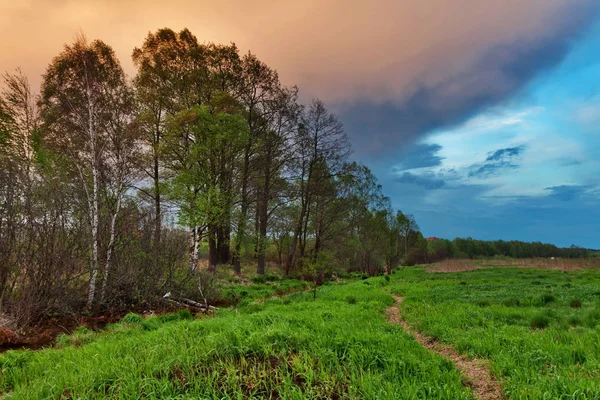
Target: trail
{"type": "Point", "coordinates": [481, 382]}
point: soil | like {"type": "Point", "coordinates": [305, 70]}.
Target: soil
{"type": "Point", "coordinates": [482, 383]}
{"type": "Point", "coordinates": [44, 333]}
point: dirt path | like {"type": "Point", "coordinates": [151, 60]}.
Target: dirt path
{"type": "Point", "coordinates": [481, 382]}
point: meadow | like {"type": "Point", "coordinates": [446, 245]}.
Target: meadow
{"type": "Point", "coordinates": [538, 329]}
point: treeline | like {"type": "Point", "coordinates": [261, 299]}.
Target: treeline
{"type": "Point", "coordinates": [439, 249]}
{"type": "Point", "coordinates": [110, 188]}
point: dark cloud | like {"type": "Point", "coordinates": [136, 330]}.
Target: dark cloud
{"type": "Point", "coordinates": [420, 156]}
{"type": "Point", "coordinates": [503, 154]}
{"type": "Point", "coordinates": [499, 74]}
{"type": "Point", "coordinates": [567, 192]}
{"type": "Point", "coordinates": [428, 181]}
{"type": "Point", "coordinates": [496, 162]}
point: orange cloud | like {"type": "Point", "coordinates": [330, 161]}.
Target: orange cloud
{"type": "Point", "coordinates": [338, 49]}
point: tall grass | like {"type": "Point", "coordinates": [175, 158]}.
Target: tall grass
{"type": "Point", "coordinates": [293, 348]}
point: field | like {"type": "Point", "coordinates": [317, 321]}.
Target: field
{"type": "Point", "coordinates": [539, 331]}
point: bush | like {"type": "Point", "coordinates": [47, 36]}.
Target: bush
{"type": "Point", "coordinates": [351, 299]}
{"type": "Point", "coordinates": [387, 278]}
{"type": "Point", "coordinates": [574, 320]}
{"type": "Point", "coordinates": [540, 321]}
{"type": "Point", "coordinates": [259, 279]}
{"type": "Point", "coordinates": [132, 318]}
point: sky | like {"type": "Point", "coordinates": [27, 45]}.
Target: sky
{"type": "Point", "coordinates": [481, 118]}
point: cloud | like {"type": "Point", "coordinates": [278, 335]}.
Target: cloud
{"type": "Point", "coordinates": [496, 162]}
{"type": "Point", "coordinates": [503, 154]}
{"type": "Point", "coordinates": [423, 155]}
{"type": "Point", "coordinates": [428, 181]}
{"type": "Point", "coordinates": [567, 192]}
{"type": "Point", "coordinates": [495, 74]}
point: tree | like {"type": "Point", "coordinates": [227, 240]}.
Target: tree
{"type": "Point", "coordinates": [321, 148]}
{"type": "Point", "coordinates": [82, 102]}
{"type": "Point", "coordinates": [164, 85]}
{"type": "Point", "coordinates": [211, 139]}
{"type": "Point", "coordinates": [408, 228]}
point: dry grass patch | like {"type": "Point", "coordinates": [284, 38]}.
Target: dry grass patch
{"type": "Point", "coordinates": [561, 264]}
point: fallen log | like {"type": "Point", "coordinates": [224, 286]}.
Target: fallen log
{"type": "Point", "coordinates": [187, 302]}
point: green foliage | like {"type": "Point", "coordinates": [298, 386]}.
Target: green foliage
{"type": "Point", "coordinates": [132, 318]}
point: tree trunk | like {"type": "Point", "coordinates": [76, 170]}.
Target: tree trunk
{"type": "Point", "coordinates": [263, 217]}
{"type": "Point", "coordinates": [193, 249]}
{"type": "Point", "coordinates": [95, 207]}
{"type": "Point", "coordinates": [241, 228]}
{"type": "Point", "coordinates": [223, 243]}
{"type": "Point", "coordinates": [111, 243]}
{"type": "Point", "coordinates": [213, 254]}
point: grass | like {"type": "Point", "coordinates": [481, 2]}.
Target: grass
{"type": "Point", "coordinates": [292, 348]}
{"type": "Point", "coordinates": [340, 345]}
{"type": "Point", "coordinates": [562, 264]}
{"type": "Point", "coordinates": [541, 344]}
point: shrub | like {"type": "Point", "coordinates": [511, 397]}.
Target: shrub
{"type": "Point", "coordinates": [132, 318]}
{"type": "Point", "coordinates": [387, 278]}
{"type": "Point", "coordinates": [540, 321]}
{"type": "Point", "coordinates": [351, 299]}
{"type": "Point", "coordinates": [259, 279]}
{"type": "Point", "coordinates": [575, 303]}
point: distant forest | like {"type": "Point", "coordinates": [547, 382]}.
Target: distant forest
{"type": "Point", "coordinates": [439, 249]}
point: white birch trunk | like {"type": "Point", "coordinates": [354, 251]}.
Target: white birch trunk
{"type": "Point", "coordinates": [193, 253]}
{"type": "Point", "coordinates": [111, 243]}
{"type": "Point", "coordinates": [95, 208]}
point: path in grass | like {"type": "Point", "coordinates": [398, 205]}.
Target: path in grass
{"type": "Point", "coordinates": [483, 384]}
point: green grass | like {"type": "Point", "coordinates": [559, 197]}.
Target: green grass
{"type": "Point", "coordinates": [542, 344]}
{"type": "Point", "coordinates": [292, 348]}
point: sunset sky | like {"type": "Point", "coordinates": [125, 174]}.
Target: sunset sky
{"type": "Point", "coordinates": [481, 118]}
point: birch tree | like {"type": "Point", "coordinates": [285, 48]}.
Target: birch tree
{"type": "Point", "coordinates": [81, 92]}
